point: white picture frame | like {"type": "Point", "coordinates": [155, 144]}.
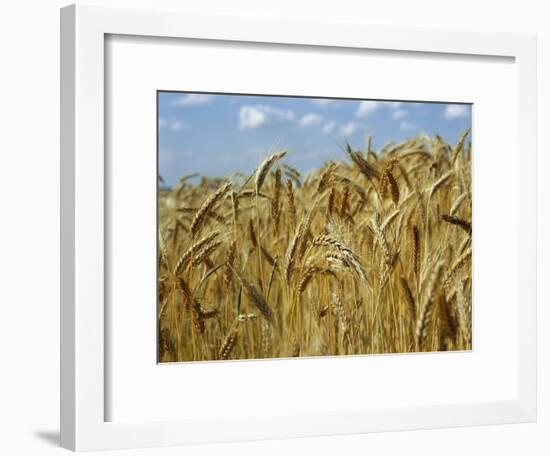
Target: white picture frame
{"type": "Point", "coordinates": [83, 396]}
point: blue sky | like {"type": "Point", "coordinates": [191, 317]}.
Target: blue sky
{"type": "Point", "coordinates": [217, 135]}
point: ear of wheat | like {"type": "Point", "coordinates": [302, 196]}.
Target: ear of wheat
{"type": "Point", "coordinates": [200, 217]}
{"type": "Point", "coordinates": [264, 168]}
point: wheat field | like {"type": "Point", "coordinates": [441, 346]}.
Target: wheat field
{"type": "Point", "coordinates": [369, 254]}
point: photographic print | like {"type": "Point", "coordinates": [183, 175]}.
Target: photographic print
{"type": "Point", "coordinates": [301, 226]}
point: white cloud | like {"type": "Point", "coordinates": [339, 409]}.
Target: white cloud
{"type": "Point", "coordinates": [322, 102]}
{"type": "Point", "coordinates": [393, 104]}
{"type": "Point", "coordinates": [177, 125]}
{"type": "Point", "coordinates": [454, 111]}
{"type": "Point", "coordinates": [369, 106]}
{"type": "Point", "coordinates": [328, 127]}
{"type": "Point", "coordinates": [400, 113]}
{"type": "Point", "coordinates": [193, 99]}
{"type": "Point", "coordinates": [349, 129]}
{"type": "Point", "coordinates": [404, 125]}
{"type": "Point", "coordinates": [167, 156]}
{"type": "Point", "coordinates": [310, 119]}
{"type": "Point", "coordinates": [251, 117]}
{"type": "Point", "coordinates": [366, 107]}
{"type": "Point", "coordinates": [172, 124]}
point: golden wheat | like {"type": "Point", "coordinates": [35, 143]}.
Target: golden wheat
{"type": "Point", "coordinates": [368, 254]}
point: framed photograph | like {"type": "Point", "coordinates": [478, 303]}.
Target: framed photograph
{"type": "Point", "coordinates": [276, 228]}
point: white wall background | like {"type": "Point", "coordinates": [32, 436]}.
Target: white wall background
{"type": "Point", "coordinates": [29, 227]}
